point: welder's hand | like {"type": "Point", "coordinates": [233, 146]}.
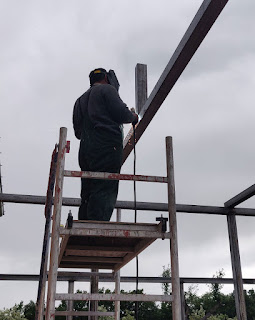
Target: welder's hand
{"type": "Point", "coordinates": [134, 122]}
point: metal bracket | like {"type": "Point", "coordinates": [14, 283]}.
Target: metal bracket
{"type": "Point", "coordinates": [70, 220]}
{"type": "Point", "coordinates": [162, 224]}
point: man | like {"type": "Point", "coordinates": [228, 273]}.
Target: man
{"type": "Point", "coordinates": [98, 116]}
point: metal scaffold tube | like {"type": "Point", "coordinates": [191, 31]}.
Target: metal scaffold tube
{"type": "Point", "coordinates": [54, 253]}
{"type": "Point", "coordinates": [173, 232]}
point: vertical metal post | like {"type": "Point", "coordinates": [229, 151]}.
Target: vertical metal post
{"type": "Point", "coordinates": [1, 191]}
{"type": "Point", "coordinates": [182, 300]}
{"type": "Point", "coordinates": [70, 302]}
{"type": "Point", "coordinates": [173, 231]}
{"type": "Point", "coordinates": [46, 240]}
{"type": "Point", "coordinates": [94, 289]}
{"type": "Point", "coordinates": [54, 253]}
{"type": "Point", "coordinates": [140, 86]}
{"type": "Point", "coordinates": [236, 268]}
{"type": "Point", "coordinates": [117, 279]}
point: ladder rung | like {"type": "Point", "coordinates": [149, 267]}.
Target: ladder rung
{"type": "Point", "coordinates": [114, 176]}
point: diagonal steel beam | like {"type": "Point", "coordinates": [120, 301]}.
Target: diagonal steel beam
{"type": "Point", "coordinates": [195, 34]}
{"type": "Point", "coordinates": [241, 197]}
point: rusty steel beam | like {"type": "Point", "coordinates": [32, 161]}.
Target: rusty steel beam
{"type": "Point", "coordinates": [113, 176]}
{"type": "Point", "coordinates": [195, 34]}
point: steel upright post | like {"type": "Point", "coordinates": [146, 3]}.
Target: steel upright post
{"type": "Point", "coordinates": [117, 279]}
{"type": "Point", "coordinates": [177, 315]}
{"type": "Point", "coordinates": [236, 268]}
{"type": "Point", "coordinates": [140, 86]}
{"type": "Point", "coordinates": [54, 253]}
{"type": "Point", "coordinates": [94, 289]}
{"type": "Point", "coordinates": [46, 241]}
{"type": "Point", "coordinates": [182, 300]}
{"type": "Point", "coordinates": [70, 302]}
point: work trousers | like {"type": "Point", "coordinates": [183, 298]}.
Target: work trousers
{"type": "Point", "coordinates": [101, 152]}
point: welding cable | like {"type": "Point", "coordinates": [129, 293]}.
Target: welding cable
{"type": "Point", "coordinates": [137, 264]}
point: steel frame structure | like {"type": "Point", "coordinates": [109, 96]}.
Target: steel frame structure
{"type": "Point", "coordinates": [147, 108]}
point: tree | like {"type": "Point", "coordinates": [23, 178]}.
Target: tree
{"type": "Point", "coordinates": [166, 307]}
{"type": "Point", "coordinates": [15, 313]}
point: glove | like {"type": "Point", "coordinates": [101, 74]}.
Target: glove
{"type": "Point", "coordinates": [135, 121]}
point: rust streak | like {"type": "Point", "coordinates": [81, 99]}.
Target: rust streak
{"type": "Point", "coordinates": [126, 233]}
{"type": "Point", "coordinates": [76, 173]}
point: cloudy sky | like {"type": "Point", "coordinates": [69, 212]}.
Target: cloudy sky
{"type": "Point", "coordinates": [48, 49]}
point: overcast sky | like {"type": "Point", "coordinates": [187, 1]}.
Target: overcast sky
{"type": "Point", "coordinates": [48, 49]}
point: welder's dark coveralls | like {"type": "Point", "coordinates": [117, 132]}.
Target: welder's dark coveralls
{"type": "Point", "coordinates": [98, 116]}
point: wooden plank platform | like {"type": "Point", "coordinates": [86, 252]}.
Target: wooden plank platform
{"type": "Point", "coordinates": [105, 245]}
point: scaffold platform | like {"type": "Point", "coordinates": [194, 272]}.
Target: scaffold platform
{"type": "Point", "coordinates": [105, 245]}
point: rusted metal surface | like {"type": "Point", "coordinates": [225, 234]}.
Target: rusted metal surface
{"type": "Point", "coordinates": [46, 240]}
{"type": "Point", "coordinates": [112, 297]}
{"type": "Point", "coordinates": [54, 253]}
{"type": "Point", "coordinates": [195, 34]}
{"type": "Point", "coordinates": [113, 176]}
{"type": "Point", "coordinates": [241, 197]}
{"type": "Point", "coordinates": [114, 233]}
{"type": "Point", "coordinates": [176, 291]}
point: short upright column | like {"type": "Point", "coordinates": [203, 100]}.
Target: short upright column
{"type": "Point", "coordinates": [94, 289]}
{"type": "Point", "coordinates": [173, 231]}
{"type": "Point", "coordinates": [117, 279]}
{"type": "Point", "coordinates": [236, 267]}
{"type": "Point", "coordinates": [54, 252]}
{"type": "Point", "coordinates": [70, 302]}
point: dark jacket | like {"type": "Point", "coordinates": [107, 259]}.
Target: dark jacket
{"type": "Point", "coordinates": [104, 108]}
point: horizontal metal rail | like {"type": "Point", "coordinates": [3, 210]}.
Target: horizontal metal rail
{"type": "Point", "coordinates": [84, 313]}
{"type": "Point", "coordinates": [113, 176]}
{"type": "Point", "coordinates": [109, 277]}
{"type": "Point", "coordinates": [241, 197]}
{"type": "Point", "coordinates": [129, 205]}
{"type": "Point", "coordinates": [112, 297]}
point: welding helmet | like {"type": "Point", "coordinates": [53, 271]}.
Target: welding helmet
{"type": "Point", "coordinates": [100, 73]}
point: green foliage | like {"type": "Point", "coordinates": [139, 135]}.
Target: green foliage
{"type": "Point", "coordinates": [166, 287]}
{"type": "Point", "coordinates": [15, 313]}
{"type": "Point", "coordinates": [212, 305]}
{"type": "Point", "coordinates": [29, 310]}
{"type": "Point", "coordinates": [128, 316]}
